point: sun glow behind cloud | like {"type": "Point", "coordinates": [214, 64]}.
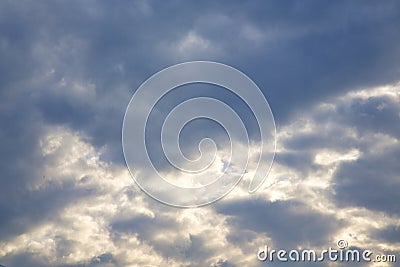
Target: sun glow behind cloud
{"type": "Point", "coordinates": [106, 213]}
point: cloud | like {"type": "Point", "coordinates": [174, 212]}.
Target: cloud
{"type": "Point", "coordinates": [287, 223]}
{"type": "Point", "coordinates": [388, 234]}
{"type": "Point", "coordinates": [191, 42]}
{"type": "Point", "coordinates": [71, 228]}
{"type": "Point", "coordinates": [96, 215]}
{"type": "Point", "coordinates": [68, 70]}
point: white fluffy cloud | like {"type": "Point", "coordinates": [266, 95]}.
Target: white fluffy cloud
{"type": "Point", "coordinates": [109, 222]}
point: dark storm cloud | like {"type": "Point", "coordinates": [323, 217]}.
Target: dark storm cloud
{"type": "Point", "coordinates": [371, 182]}
{"type": "Point", "coordinates": [289, 223]}
{"type": "Point", "coordinates": [340, 46]}
{"type": "Point", "coordinates": [20, 158]}
{"type": "Point", "coordinates": [22, 258]}
{"type": "Point", "coordinates": [378, 114]}
{"type": "Point", "coordinates": [303, 161]}
{"type": "Point", "coordinates": [146, 227]}
{"type": "Point", "coordinates": [310, 50]}
{"type": "Point", "coordinates": [389, 234]}
{"type": "Point", "coordinates": [103, 260]}
{"type": "Point", "coordinates": [194, 247]}
{"type": "Point", "coordinates": [369, 124]}
{"type": "Point", "coordinates": [34, 208]}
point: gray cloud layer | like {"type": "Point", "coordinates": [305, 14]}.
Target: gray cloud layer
{"type": "Point", "coordinates": [68, 70]}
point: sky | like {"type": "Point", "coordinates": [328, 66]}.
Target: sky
{"type": "Point", "coordinates": [330, 71]}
